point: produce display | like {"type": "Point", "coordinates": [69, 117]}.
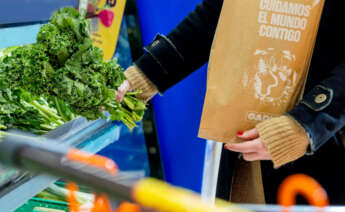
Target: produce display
{"type": "Point", "coordinates": [48, 83]}
{"type": "Point", "coordinates": [61, 76]}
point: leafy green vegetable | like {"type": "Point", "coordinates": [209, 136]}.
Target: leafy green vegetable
{"type": "Point", "coordinates": [34, 116]}
{"type": "Point", "coordinates": [59, 46]}
{"type": "Point", "coordinates": [64, 34]}
{"type": "Point", "coordinates": [27, 67]}
{"type": "Point", "coordinates": [65, 68]}
{"type": "Point", "coordinates": [18, 108]}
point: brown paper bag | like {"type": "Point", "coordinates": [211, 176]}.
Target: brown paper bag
{"type": "Point", "coordinates": [258, 64]}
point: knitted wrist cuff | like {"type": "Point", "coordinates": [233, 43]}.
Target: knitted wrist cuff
{"type": "Point", "coordinates": [284, 138]}
{"type": "Point", "coordinates": [139, 81]}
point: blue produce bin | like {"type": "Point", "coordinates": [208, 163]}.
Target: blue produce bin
{"type": "Point", "coordinates": [178, 111]}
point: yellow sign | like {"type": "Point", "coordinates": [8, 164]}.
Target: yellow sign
{"type": "Point", "coordinates": [106, 27]}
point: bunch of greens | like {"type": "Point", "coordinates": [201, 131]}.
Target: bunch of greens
{"type": "Point", "coordinates": [64, 66]}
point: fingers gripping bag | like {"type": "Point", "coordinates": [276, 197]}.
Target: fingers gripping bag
{"type": "Point", "coordinates": [258, 63]}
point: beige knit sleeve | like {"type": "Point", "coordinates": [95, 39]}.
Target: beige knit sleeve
{"type": "Point", "coordinates": [284, 138]}
{"type": "Point", "coordinates": [138, 81]}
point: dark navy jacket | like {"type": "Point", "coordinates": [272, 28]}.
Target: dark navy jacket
{"type": "Point", "coordinates": [321, 112]}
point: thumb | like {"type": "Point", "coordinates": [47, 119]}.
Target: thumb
{"type": "Point", "coordinates": [249, 134]}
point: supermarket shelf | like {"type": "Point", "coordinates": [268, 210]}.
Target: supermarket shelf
{"type": "Point", "coordinates": [89, 136]}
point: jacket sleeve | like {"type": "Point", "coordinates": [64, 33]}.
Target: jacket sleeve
{"type": "Point", "coordinates": [322, 110]}
{"type": "Point", "coordinates": [169, 59]}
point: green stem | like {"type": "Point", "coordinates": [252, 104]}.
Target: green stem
{"type": "Point", "coordinates": [50, 119]}
{"type": "Point", "coordinates": [134, 93]}
{"type": "Point", "coordinates": [64, 118]}
{"type": "Point", "coordinates": [129, 103]}
{"type": "Point", "coordinates": [127, 116]}
{"type": "Point", "coordinates": [46, 110]}
{"type": "Point", "coordinates": [41, 132]}
{"type": "Point", "coordinates": [49, 115]}
{"type": "Point", "coordinates": [46, 127]}
{"type": "Point", "coordinates": [111, 105]}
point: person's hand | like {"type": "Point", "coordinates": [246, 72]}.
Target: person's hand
{"type": "Point", "coordinates": [137, 81]}
{"type": "Point", "coordinates": [252, 148]}
{"type": "Point", "coordinates": [122, 90]}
